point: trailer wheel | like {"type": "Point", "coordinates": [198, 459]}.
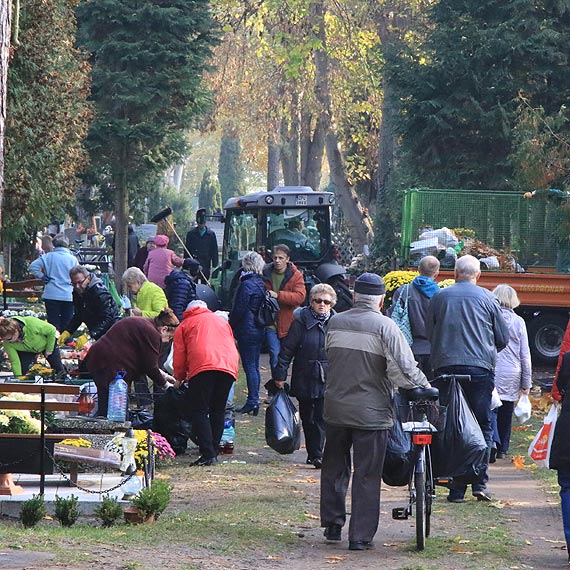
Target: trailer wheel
{"type": "Point", "coordinates": [545, 334]}
{"type": "Point", "coordinates": [343, 294]}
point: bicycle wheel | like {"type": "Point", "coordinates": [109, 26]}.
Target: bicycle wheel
{"type": "Point", "coordinates": [420, 483]}
{"type": "Point", "coordinates": [429, 490]}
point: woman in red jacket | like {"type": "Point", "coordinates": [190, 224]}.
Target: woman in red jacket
{"type": "Point", "coordinates": [206, 357]}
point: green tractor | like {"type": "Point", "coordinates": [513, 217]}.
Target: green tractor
{"type": "Point", "coordinates": [295, 216]}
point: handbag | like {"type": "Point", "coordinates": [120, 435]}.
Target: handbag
{"type": "Point", "coordinates": [401, 318]}
{"type": "Point", "coordinates": [267, 313]}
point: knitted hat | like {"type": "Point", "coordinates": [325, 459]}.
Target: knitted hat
{"type": "Point", "coordinates": [161, 241]}
{"type": "Point", "coordinates": [370, 284]}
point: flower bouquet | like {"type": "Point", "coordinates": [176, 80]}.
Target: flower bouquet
{"type": "Point", "coordinates": [163, 452]}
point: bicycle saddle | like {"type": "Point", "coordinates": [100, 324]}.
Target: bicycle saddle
{"type": "Point", "coordinates": [421, 394]}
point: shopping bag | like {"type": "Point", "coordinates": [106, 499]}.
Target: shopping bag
{"type": "Point", "coordinates": [400, 315]}
{"type": "Point", "coordinates": [523, 409]}
{"type": "Point", "coordinates": [495, 399]}
{"type": "Point", "coordinates": [460, 450]}
{"type": "Point", "coordinates": [282, 424]}
{"type": "Point", "coordinates": [539, 449]}
{"type": "Point", "coordinates": [400, 457]}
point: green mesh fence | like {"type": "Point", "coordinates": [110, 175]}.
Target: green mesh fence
{"type": "Point", "coordinates": [504, 221]}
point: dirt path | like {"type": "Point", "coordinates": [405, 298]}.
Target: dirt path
{"type": "Point", "coordinates": [528, 516]}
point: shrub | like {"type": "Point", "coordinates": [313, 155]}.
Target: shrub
{"type": "Point", "coordinates": [33, 511]}
{"type": "Point", "coordinates": [109, 511]}
{"type": "Point", "coordinates": [67, 510]}
{"type": "Point", "coordinates": [153, 500]}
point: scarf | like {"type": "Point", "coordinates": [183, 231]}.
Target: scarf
{"type": "Point", "coordinates": [426, 286]}
{"type": "Point", "coordinates": [321, 318]}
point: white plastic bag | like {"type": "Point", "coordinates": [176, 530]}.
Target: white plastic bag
{"type": "Point", "coordinates": [539, 449]}
{"type": "Point", "coordinates": [495, 400]}
{"type": "Point", "coordinates": [523, 409]}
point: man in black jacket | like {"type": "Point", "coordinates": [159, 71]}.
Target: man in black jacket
{"type": "Point", "coordinates": [93, 304]}
{"type": "Point", "coordinates": [202, 244]}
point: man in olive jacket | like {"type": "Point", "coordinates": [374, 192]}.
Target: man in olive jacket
{"type": "Point", "coordinates": [368, 358]}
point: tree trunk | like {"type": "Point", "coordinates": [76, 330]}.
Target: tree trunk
{"type": "Point", "coordinates": [121, 229]}
{"type": "Point", "coordinates": [5, 31]}
{"type": "Point", "coordinates": [384, 19]}
{"type": "Point", "coordinates": [312, 152]}
{"type": "Point", "coordinates": [273, 156]}
{"type": "Point", "coordinates": [356, 216]}
{"type": "Point", "coordinates": [386, 147]}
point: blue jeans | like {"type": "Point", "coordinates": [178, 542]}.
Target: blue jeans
{"type": "Point", "coordinates": [274, 346]}
{"type": "Point", "coordinates": [564, 482]}
{"type": "Point", "coordinates": [478, 394]}
{"type": "Point", "coordinates": [249, 351]}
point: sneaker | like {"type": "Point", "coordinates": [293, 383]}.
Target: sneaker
{"type": "Point", "coordinates": [333, 532]}
{"type": "Point", "coordinates": [482, 495]}
{"type": "Point", "coordinates": [501, 455]}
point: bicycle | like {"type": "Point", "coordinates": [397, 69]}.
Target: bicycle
{"type": "Point", "coordinates": [421, 416]}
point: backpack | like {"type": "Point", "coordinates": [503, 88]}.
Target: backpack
{"type": "Point", "coordinates": [400, 315]}
{"type": "Point", "coordinates": [267, 313]}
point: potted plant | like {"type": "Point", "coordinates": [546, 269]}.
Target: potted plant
{"type": "Point", "coordinates": [150, 503]}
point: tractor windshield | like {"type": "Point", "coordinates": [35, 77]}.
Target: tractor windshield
{"type": "Point", "coordinates": [304, 231]}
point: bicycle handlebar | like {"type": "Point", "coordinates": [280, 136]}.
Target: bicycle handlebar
{"type": "Point", "coordinates": [459, 377]}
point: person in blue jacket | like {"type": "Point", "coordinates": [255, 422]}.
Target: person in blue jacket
{"type": "Point", "coordinates": [248, 333]}
{"type": "Point", "coordinates": [53, 268]}
{"type": "Point", "coordinates": [180, 288]}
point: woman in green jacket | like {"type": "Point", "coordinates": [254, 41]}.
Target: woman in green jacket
{"type": "Point", "coordinates": [26, 337]}
{"type": "Point", "coordinates": [150, 298]}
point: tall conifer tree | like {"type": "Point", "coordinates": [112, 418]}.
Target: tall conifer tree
{"type": "Point", "coordinates": [148, 59]}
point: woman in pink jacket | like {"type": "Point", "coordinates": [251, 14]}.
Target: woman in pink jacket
{"type": "Point", "coordinates": [206, 357]}
{"type": "Point", "coordinates": [160, 261]}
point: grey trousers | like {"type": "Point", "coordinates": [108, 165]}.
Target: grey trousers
{"type": "Point", "coordinates": [368, 450]}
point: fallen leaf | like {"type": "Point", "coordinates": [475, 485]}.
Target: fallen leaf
{"type": "Point", "coordinates": [461, 550]}
{"type": "Point", "coordinates": [528, 542]}
{"type": "Point", "coordinates": [518, 462]}
{"type": "Point", "coordinates": [311, 516]}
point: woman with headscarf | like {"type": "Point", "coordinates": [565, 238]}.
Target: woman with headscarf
{"type": "Point", "coordinates": [305, 346]}
{"type": "Point", "coordinates": [160, 261]}
{"type": "Point", "coordinates": [249, 334]}
{"type": "Point", "coordinates": [132, 345]}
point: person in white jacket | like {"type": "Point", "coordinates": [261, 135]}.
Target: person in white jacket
{"type": "Point", "coordinates": [513, 371]}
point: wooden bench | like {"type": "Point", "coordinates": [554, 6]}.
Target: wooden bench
{"type": "Point", "coordinates": [27, 452]}
{"type": "Point", "coordinates": [30, 288]}
{"type": "Point", "coordinates": [75, 456]}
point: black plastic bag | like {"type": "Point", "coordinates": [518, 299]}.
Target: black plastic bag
{"type": "Point", "coordinates": [460, 450]}
{"type": "Point", "coordinates": [141, 419]}
{"type": "Point", "coordinates": [282, 424]}
{"type": "Point", "coordinates": [171, 418]}
{"type": "Point", "coordinates": [400, 454]}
